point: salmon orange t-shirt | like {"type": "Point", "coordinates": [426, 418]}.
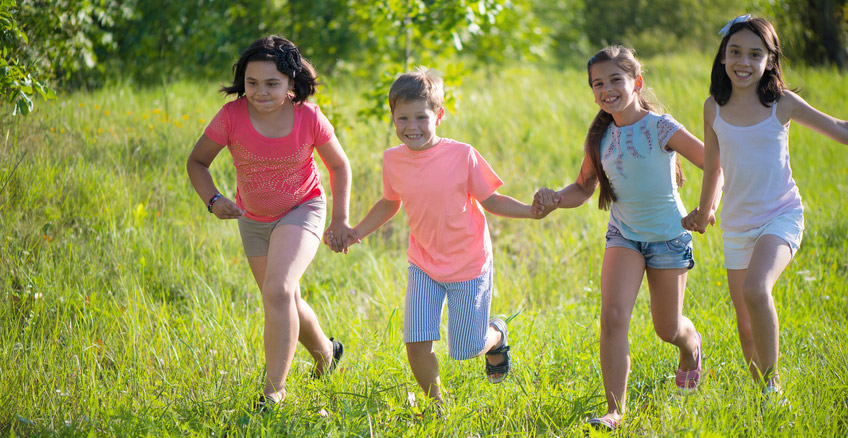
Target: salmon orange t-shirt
{"type": "Point", "coordinates": [273, 174]}
{"type": "Point", "coordinates": [441, 189]}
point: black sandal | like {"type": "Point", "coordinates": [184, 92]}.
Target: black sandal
{"type": "Point", "coordinates": [338, 352]}
{"type": "Point", "coordinates": [503, 367]}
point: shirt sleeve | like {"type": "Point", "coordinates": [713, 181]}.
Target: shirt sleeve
{"type": "Point", "coordinates": [323, 130]}
{"type": "Point", "coordinates": [482, 179]}
{"type": "Point", "coordinates": [218, 129]}
{"type": "Point", "coordinates": [666, 127]}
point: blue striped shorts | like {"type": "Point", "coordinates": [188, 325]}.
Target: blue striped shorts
{"type": "Point", "coordinates": [469, 303]}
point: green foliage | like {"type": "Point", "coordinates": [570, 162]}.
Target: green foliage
{"type": "Point", "coordinates": [815, 31]}
{"type": "Point", "coordinates": [67, 37]}
{"type": "Point", "coordinates": [658, 26]}
{"type": "Point", "coordinates": [162, 40]}
{"type": "Point", "coordinates": [20, 80]}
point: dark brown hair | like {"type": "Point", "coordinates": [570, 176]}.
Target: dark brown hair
{"type": "Point", "coordinates": [286, 56]}
{"type": "Point", "coordinates": [771, 85]}
{"type": "Point", "coordinates": [624, 59]}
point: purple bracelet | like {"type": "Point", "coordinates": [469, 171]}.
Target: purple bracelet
{"type": "Point", "coordinates": [212, 201]}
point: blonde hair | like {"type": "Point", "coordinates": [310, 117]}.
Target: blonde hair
{"type": "Point", "coordinates": [420, 84]}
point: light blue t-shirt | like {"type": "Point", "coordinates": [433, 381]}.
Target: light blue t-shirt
{"type": "Point", "coordinates": [642, 174]}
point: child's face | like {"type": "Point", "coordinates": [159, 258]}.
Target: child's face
{"type": "Point", "coordinates": [415, 123]}
{"type": "Point", "coordinates": [615, 90]}
{"type": "Point", "coordinates": [265, 87]}
{"type": "Point", "coordinates": [746, 59]}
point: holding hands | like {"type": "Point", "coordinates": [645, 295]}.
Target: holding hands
{"type": "Point", "coordinates": [339, 236]}
{"type": "Point", "coordinates": [698, 221]}
{"type": "Point", "coordinates": [544, 201]}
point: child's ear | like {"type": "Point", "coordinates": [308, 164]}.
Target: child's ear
{"type": "Point", "coordinates": [639, 83]}
{"type": "Point", "coordinates": [440, 115]}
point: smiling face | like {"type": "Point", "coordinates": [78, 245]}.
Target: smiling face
{"type": "Point", "coordinates": [616, 91]}
{"type": "Point", "coordinates": [265, 87]}
{"type": "Point", "coordinates": [415, 123]}
{"type": "Point", "coordinates": [746, 59]}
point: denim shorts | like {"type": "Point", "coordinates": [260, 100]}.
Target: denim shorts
{"type": "Point", "coordinates": [673, 254]}
{"type": "Point", "coordinates": [739, 246]}
{"type": "Point", "coordinates": [256, 236]}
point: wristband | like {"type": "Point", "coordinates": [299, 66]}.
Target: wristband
{"type": "Point", "coordinates": [212, 201]}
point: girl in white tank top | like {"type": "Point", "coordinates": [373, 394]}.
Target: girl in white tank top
{"type": "Point", "coordinates": [746, 134]}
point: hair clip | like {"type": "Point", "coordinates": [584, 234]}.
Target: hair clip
{"type": "Point", "coordinates": [739, 19]}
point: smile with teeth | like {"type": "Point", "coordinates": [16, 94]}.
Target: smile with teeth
{"type": "Point", "coordinates": [742, 74]}
{"type": "Point", "coordinates": [610, 99]}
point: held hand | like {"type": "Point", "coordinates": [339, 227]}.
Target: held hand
{"type": "Point", "coordinates": [223, 208]}
{"type": "Point", "coordinates": [698, 221]}
{"type": "Point", "coordinates": [544, 201]}
{"type": "Point", "coordinates": [339, 236]}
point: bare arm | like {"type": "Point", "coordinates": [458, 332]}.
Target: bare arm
{"type": "Point", "coordinates": [687, 145]}
{"type": "Point", "coordinates": [572, 195]}
{"type": "Point", "coordinates": [814, 119]}
{"type": "Point", "coordinates": [338, 166]}
{"type": "Point", "coordinates": [507, 206]}
{"type": "Point", "coordinates": [704, 215]}
{"type": "Point", "coordinates": [379, 214]}
{"type": "Point", "coordinates": [691, 148]}
{"type": "Point", "coordinates": [197, 166]}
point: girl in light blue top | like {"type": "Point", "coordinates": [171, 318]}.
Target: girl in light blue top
{"type": "Point", "coordinates": [746, 133]}
{"type": "Point", "coordinates": [631, 152]}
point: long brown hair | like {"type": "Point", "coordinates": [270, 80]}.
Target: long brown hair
{"type": "Point", "coordinates": [624, 59]}
{"type": "Point", "coordinates": [771, 85]}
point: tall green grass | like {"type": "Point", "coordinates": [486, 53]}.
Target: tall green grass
{"type": "Point", "coordinates": [126, 309]}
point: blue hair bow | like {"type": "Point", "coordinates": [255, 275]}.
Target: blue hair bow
{"type": "Point", "coordinates": [739, 19]}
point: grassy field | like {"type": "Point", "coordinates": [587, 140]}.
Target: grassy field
{"type": "Point", "coordinates": [126, 309]}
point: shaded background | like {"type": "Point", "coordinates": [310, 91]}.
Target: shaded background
{"type": "Point", "coordinates": [72, 44]}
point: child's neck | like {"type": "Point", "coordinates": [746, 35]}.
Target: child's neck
{"type": "Point", "coordinates": [744, 96]}
{"type": "Point", "coordinates": [629, 116]}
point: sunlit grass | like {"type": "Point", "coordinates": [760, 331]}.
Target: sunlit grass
{"type": "Point", "coordinates": [127, 309]}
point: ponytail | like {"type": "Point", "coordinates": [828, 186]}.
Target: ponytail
{"type": "Point", "coordinates": [593, 151]}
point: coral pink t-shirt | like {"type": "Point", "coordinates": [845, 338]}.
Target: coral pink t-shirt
{"type": "Point", "coordinates": [440, 189]}
{"type": "Point", "coordinates": [273, 174]}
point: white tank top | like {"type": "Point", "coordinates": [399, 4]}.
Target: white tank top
{"type": "Point", "coordinates": [758, 184]}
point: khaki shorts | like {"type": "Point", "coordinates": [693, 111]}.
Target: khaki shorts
{"type": "Point", "coordinates": [256, 236]}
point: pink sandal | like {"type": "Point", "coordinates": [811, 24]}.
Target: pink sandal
{"type": "Point", "coordinates": [687, 381]}
{"type": "Point", "coordinates": [607, 424]}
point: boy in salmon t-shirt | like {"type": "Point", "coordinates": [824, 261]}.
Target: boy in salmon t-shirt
{"type": "Point", "coordinates": [442, 184]}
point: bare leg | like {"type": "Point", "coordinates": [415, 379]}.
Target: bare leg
{"type": "Point", "coordinates": [668, 287]}
{"type": "Point", "coordinates": [290, 252]}
{"type": "Point", "coordinates": [771, 256]}
{"type": "Point", "coordinates": [735, 280]}
{"type": "Point", "coordinates": [621, 277]}
{"type": "Point", "coordinates": [493, 340]}
{"type": "Point", "coordinates": [425, 367]}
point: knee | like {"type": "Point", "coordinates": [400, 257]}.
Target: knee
{"type": "Point", "coordinates": [279, 294]}
{"type": "Point", "coordinates": [614, 320]}
{"type": "Point", "coordinates": [668, 332]}
{"type": "Point", "coordinates": [416, 350]}
{"type": "Point", "coordinates": [756, 293]}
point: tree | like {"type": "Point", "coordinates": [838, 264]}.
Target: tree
{"type": "Point", "coordinates": [20, 79]}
